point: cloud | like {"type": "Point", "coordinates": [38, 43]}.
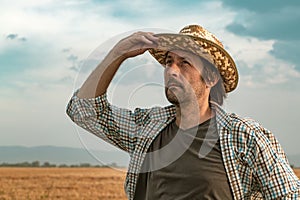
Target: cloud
{"type": "Point", "coordinates": [270, 20]}
{"type": "Point", "coordinates": [256, 66]}
{"type": "Point", "coordinates": [268, 25]}
{"type": "Point", "coordinates": [261, 6]}
{"type": "Point", "coordinates": [286, 50]}
{"type": "Point", "coordinates": [23, 39]}
{"type": "Point", "coordinates": [72, 58]}
{"type": "Point", "coordinates": [12, 36]}
{"type": "Point", "coordinates": [66, 50]}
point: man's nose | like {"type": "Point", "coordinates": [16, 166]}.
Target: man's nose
{"type": "Point", "coordinates": [172, 69]}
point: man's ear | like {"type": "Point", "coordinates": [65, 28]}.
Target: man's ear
{"type": "Point", "coordinates": [215, 77]}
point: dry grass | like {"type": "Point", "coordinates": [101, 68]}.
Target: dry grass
{"type": "Point", "coordinates": [297, 171]}
{"type": "Point", "coordinates": [63, 183]}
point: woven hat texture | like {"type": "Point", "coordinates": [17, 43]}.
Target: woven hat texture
{"type": "Point", "coordinates": [196, 39]}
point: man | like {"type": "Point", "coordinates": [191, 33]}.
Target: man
{"type": "Point", "coordinates": [192, 149]}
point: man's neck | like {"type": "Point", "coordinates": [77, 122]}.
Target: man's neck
{"type": "Point", "coordinates": [190, 115]}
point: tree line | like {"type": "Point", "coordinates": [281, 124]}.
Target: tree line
{"type": "Point", "coordinates": [48, 164]}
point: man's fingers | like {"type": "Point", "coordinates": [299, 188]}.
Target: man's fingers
{"type": "Point", "coordinates": [145, 37]}
{"type": "Point", "coordinates": [150, 36]}
{"type": "Point", "coordinates": [137, 44]}
{"type": "Point", "coordinates": [146, 40]}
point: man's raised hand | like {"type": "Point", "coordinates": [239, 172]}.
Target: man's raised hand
{"type": "Point", "coordinates": [135, 44]}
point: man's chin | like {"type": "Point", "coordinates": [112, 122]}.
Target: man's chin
{"type": "Point", "coordinates": [172, 99]}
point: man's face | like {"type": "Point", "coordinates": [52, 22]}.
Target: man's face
{"type": "Point", "coordinates": [183, 81]}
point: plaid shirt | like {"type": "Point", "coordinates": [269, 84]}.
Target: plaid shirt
{"type": "Point", "coordinates": [255, 163]}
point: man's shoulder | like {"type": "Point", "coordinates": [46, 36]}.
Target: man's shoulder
{"type": "Point", "coordinates": [234, 121]}
{"type": "Point", "coordinates": [246, 127]}
{"type": "Point", "coordinates": [239, 127]}
{"type": "Point", "coordinates": [157, 112]}
{"type": "Point", "coordinates": [244, 122]}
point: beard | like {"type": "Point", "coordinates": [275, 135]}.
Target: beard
{"type": "Point", "coordinates": [171, 96]}
{"type": "Point", "coordinates": [183, 95]}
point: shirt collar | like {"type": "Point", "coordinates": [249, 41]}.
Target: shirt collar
{"type": "Point", "coordinates": [222, 117]}
{"type": "Point", "coordinates": [169, 113]}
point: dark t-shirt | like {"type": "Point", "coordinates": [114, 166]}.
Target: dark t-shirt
{"type": "Point", "coordinates": [184, 164]}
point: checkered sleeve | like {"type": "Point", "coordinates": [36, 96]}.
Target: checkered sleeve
{"type": "Point", "coordinates": [276, 177]}
{"type": "Point", "coordinates": [116, 126]}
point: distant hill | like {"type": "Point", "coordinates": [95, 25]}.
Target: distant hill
{"type": "Point", "coordinates": [69, 156]}
{"type": "Point", "coordinates": [294, 160]}
{"type": "Point", "coordinates": [61, 155]}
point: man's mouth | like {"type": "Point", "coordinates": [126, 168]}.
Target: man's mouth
{"type": "Point", "coordinates": [173, 83]}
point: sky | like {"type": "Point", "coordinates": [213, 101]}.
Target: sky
{"type": "Point", "coordinates": [48, 48]}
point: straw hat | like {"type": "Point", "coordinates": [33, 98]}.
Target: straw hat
{"type": "Point", "coordinates": [198, 40]}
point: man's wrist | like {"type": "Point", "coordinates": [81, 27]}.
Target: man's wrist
{"type": "Point", "coordinates": [118, 55]}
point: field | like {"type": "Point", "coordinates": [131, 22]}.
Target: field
{"type": "Point", "coordinates": [297, 172]}
{"type": "Point", "coordinates": [63, 183]}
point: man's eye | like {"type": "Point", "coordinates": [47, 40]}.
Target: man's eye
{"type": "Point", "coordinates": [185, 62]}
{"type": "Point", "coordinates": [168, 61]}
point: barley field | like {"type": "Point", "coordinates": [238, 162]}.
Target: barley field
{"type": "Point", "coordinates": [63, 183]}
{"type": "Point", "coordinates": [297, 171]}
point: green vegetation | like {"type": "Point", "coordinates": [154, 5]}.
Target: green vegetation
{"type": "Point", "coordinates": [47, 164]}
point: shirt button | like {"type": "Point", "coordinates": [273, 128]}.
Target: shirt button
{"type": "Point", "coordinates": [243, 158]}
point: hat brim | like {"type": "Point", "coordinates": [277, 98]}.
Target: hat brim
{"type": "Point", "coordinates": [206, 49]}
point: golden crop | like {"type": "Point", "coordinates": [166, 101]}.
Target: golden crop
{"type": "Point", "coordinates": [63, 183]}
